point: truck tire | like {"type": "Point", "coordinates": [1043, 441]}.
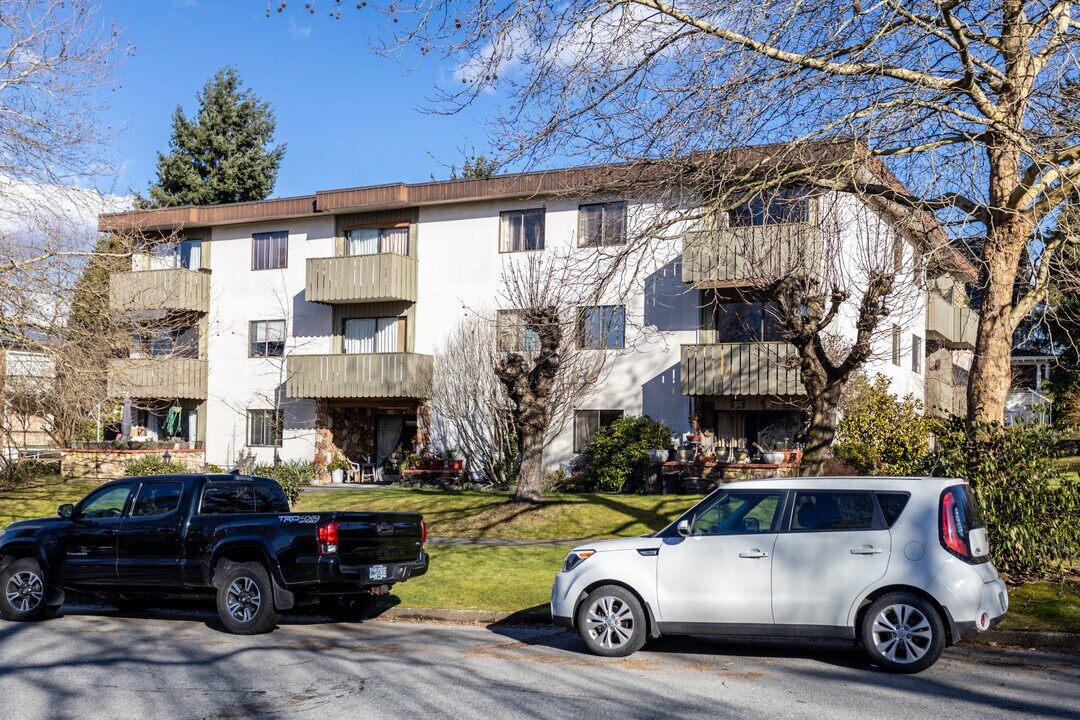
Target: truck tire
{"type": "Point", "coordinates": [611, 622]}
{"type": "Point", "coordinates": [348, 608]}
{"type": "Point", "coordinates": [903, 633]}
{"type": "Point", "coordinates": [245, 600]}
{"type": "Point", "coordinates": [23, 592]}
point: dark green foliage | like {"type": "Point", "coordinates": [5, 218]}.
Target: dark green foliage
{"type": "Point", "coordinates": [224, 154]}
{"type": "Point", "coordinates": [153, 465]}
{"type": "Point", "coordinates": [856, 454]}
{"type": "Point", "coordinates": [881, 434]}
{"type": "Point", "coordinates": [292, 476]}
{"type": "Point", "coordinates": [620, 452]}
{"type": "Point", "coordinates": [476, 166]}
{"type": "Point", "coordinates": [1032, 513]}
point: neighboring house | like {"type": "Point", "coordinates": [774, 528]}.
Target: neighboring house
{"type": "Point", "coordinates": [1026, 402]}
{"type": "Point", "coordinates": [25, 376]}
{"type": "Point", "coordinates": [289, 320]}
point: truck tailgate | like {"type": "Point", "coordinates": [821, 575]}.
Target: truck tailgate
{"type": "Point", "coordinates": [365, 538]}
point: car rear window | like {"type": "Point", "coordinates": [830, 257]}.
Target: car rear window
{"type": "Point", "coordinates": [833, 511]}
{"type": "Point", "coordinates": [221, 498]}
{"type": "Point", "coordinates": [270, 498]}
{"type": "Point", "coordinates": [892, 504]}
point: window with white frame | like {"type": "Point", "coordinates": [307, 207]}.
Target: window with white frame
{"type": "Point", "coordinates": [521, 230]}
{"type": "Point", "coordinates": [587, 424]}
{"type": "Point", "coordinates": [602, 327]}
{"type": "Point", "coordinates": [266, 338]}
{"type": "Point", "coordinates": [186, 254]}
{"type": "Point", "coordinates": [374, 335]}
{"type": "Point", "coordinates": [270, 251]}
{"type": "Point", "coordinates": [369, 241]}
{"type": "Point", "coordinates": [916, 354]}
{"type": "Point", "coordinates": [896, 345]}
{"type": "Point", "coordinates": [512, 334]}
{"type": "Point", "coordinates": [602, 224]}
{"type": "Point", "coordinates": [264, 428]}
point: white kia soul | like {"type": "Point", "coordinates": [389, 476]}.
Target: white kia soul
{"type": "Point", "coordinates": [901, 564]}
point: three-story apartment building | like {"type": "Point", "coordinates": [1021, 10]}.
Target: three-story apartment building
{"type": "Point", "coordinates": [285, 325]}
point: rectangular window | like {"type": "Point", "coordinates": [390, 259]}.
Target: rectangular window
{"type": "Point", "coordinates": [226, 498]}
{"type": "Point", "coordinates": [588, 422]}
{"type": "Point", "coordinates": [896, 345]}
{"type": "Point", "coordinates": [602, 327]}
{"type": "Point", "coordinates": [374, 335]}
{"type": "Point", "coordinates": [186, 254]}
{"type": "Point", "coordinates": [602, 224]}
{"type": "Point", "coordinates": [264, 428]}
{"type": "Point", "coordinates": [833, 511]}
{"type": "Point", "coordinates": [898, 254]}
{"type": "Point", "coordinates": [368, 241]}
{"type": "Point", "coordinates": [916, 354]}
{"type": "Point", "coordinates": [747, 322]}
{"type": "Point", "coordinates": [784, 205]}
{"type": "Point", "coordinates": [512, 334]}
{"type": "Point", "coordinates": [157, 498]}
{"type": "Point", "coordinates": [270, 251]}
{"type": "Point", "coordinates": [521, 230]}
{"type": "Point", "coordinates": [266, 338]}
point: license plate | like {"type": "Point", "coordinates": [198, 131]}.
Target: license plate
{"type": "Point", "coordinates": [376, 572]}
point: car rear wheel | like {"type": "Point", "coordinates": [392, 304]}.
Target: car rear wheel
{"type": "Point", "coordinates": [245, 600]}
{"type": "Point", "coordinates": [903, 633]}
{"type": "Point", "coordinates": [611, 622]}
{"type": "Point", "coordinates": [348, 608]}
{"type": "Point", "coordinates": [24, 590]}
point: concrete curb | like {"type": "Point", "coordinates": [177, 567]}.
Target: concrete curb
{"type": "Point", "coordinates": [1024, 638]}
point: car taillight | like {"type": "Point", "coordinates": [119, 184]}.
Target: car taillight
{"type": "Point", "coordinates": [423, 534]}
{"type": "Point", "coordinates": [951, 524]}
{"type": "Point", "coordinates": [328, 538]}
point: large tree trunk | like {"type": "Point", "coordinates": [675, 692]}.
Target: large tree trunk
{"type": "Point", "coordinates": [530, 486]}
{"type": "Point", "coordinates": [822, 431]}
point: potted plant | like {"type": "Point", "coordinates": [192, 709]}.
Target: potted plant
{"type": "Point", "coordinates": [457, 460]}
{"type": "Point", "coordinates": [337, 470]}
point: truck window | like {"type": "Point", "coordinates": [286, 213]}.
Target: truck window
{"type": "Point", "coordinates": [157, 498]}
{"type": "Point", "coordinates": [221, 498]}
{"type": "Point", "coordinates": [270, 498]}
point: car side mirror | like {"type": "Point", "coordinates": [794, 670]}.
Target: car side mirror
{"type": "Point", "coordinates": [683, 528]}
{"type": "Point", "coordinates": [66, 511]}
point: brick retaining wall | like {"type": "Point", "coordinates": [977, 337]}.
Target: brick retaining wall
{"type": "Point", "coordinates": [109, 464]}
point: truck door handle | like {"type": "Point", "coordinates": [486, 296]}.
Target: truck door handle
{"type": "Point", "coordinates": [108, 531]}
{"type": "Point", "coordinates": [165, 531]}
{"type": "Point", "coordinates": [755, 553]}
{"type": "Point", "coordinates": [866, 550]}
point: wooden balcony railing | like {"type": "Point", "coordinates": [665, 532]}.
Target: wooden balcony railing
{"type": "Point", "coordinates": [737, 256]}
{"type": "Point", "coordinates": [361, 278]}
{"type": "Point", "coordinates": [361, 375]}
{"type": "Point", "coordinates": [175, 289]}
{"type": "Point", "coordinates": [768, 368]}
{"type": "Point", "coordinates": [954, 327]}
{"type": "Point", "coordinates": [158, 377]}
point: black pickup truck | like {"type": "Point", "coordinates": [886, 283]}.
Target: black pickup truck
{"type": "Point", "coordinates": [132, 540]}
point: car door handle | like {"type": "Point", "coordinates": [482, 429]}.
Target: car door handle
{"type": "Point", "coordinates": [755, 553]}
{"type": "Point", "coordinates": [866, 550]}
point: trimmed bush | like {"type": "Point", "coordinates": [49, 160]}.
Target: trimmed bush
{"type": "Point", "coordinates": [620, 452]}
{"type": "Point", "coordinates": [881, 434]}
{"type": "Point", "coordinates": [292, 476]}
{"type": "Point", "coordinates": [153, 465]}
{"type": "Point", "coordinates": [1032, 512]}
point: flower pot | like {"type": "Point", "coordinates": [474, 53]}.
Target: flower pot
{"type": "Point", "coordinates": [695, 486]}
{"type": "Point", "coordinates": [773, 458]}
{"type": "Point", "coordinates": [338, 475]}
{"type": "Point", "coordinates": [457, 465]}
{"type": "Point", "coordinates": [671, 485]}
{"type": "Point", "coordinates": [685, 455]}
{"type": "Point", "coordinates": [657, 456]}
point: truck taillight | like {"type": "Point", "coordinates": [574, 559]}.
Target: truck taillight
{"type": "Point", "coordinates": [328, 538]}
{"type": "Point", "coordinates": [423, 534]}
{"type": "Point", "coordinates": [951, 523]}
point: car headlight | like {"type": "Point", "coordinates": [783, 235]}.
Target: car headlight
{"type": "Point", "coordinates": [575, 558]}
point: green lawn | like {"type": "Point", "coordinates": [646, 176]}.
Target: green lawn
{"type": "Point", "coordinates": [40, 498]}
{"type": "Point", "coordinates": [1071, 465]}
{"type": "Point", "coordinates": [1044, 606]}
{"type": "Point", "coordinates": [491, 515]}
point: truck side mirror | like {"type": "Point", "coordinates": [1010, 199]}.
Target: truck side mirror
{"type": "Point", "coordinates": [66, 510]}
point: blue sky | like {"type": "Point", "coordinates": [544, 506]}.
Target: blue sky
{"type": "Point", "coordinates": [349, 116]}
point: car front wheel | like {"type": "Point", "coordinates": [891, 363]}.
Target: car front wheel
{"type": "Point", "coordinates": [245, 600]}
{"type": "Point", "coordinates": [903, 633]}
{"type": "Point", "coordinates": [24, 589]}
{"type": "Point", "coordinates": [611, 622]}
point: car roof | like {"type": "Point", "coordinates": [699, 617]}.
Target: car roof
{"type": "Point", "coordinates": [863, 482]}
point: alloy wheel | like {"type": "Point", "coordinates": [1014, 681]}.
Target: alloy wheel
{"type": "Point", "coordinates": [610, 622]}
{"type": "Point", "coordinates": [24, 590]}
{"type": "Point", "coordinates": [902, 633]}
{"type": "Point", "coordinates": [244, 599]}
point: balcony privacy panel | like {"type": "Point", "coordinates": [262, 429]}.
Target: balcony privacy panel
{"type": "Point", "coordinates": [769, 368]}
{"type": "Point", "coordinates": [733, 256]}
{"type": "Point", "coordinates": [171, 289]}
{"type": "Point", "coordinates": [361, 278]}
{"type": "Point", "coordinates": [158, 377]}
{"type": "Point", "coordinates": [362, 375]}
{"type": "Point", "coordinates": [955, 327]}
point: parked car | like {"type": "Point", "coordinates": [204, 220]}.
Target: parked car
{"type": "Point", "coordinates": [133, 540]}
{"type": "Point", "coordinates": [900, 564]}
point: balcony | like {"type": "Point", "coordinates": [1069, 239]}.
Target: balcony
{"type": "Point", "coordinates": [174, 289]}
{"type": "Point", "coordinates": [741, 256]}
{"type": "Point", "coordinates": [953, 327]}
{"type": "Point", "coordinates": [158, 377]}
{"type": "Point", "coordinates": [768, 368]}
{"type": "Point", "coordinates": [361, 278]}
{"type": "Point", "coordinates": [362, 375]}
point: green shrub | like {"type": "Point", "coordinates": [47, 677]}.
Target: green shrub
{"type": "Point", "coordinates": [620, 452]}
{"type": "Point", "coordinates": [881, 434]}
{"type": "Point", "coordinates": [1032, 513]}
{"type": "Point", "coordinates": [15, 473]}
{"type": "Point", "coordinates": [292, 476]}
{"type": "Point", "coordinates": [153, 465]}
{"type": "Point", "coordinates": [216, 469]}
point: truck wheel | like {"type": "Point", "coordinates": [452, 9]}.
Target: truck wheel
{"type": "Point", "coordinates": [245, 600]}
{"type": "Point", "coordinates": [611, 622]}
{"type": "Point", "coordinates": [23, 589]}
{"type": "Point", "coordinates": [903, 633]}
{"type": "Point", "coordinates": [347, 608]}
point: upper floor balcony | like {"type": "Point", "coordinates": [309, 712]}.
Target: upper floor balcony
{"type": "Point", "coordinates": [954, 327]}
{"type": "Point", "coordinates": [748, 368]}
{"type": "Point", "coordinates": [740, 256]}
{"type": "Point", "coordinates": [377, 277]}
{"type": "Point", "coordinates": [360, 375]}
{"type": "Point", "coordinates": [158, 377]}
{"type": "Point", "coordinates": [171, 289]}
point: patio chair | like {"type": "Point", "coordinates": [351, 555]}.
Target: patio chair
{"type": "Point", "coordinates": [365, 468]}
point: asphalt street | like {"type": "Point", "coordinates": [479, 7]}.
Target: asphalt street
{"type": "Point", "coordinates": [96, 663]}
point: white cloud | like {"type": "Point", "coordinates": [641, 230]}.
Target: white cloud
{"type": "Point", "coordinates": [298, 31]}
{"type": "Point", "coordinates": [31, 210]}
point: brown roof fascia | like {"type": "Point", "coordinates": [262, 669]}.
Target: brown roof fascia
{"type": "Point", "coordinates": [201, 216]}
